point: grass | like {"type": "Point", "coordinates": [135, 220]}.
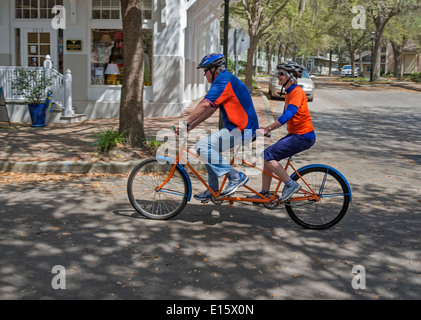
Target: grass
{"type": "Point", "coordinates": [154, 144]}
{"type": "Point", "coordinates": [107, 139]}
{"type": "Point", "coordinates": [346, 79]}
{"type": "Point", "coordinates": [363, 81]}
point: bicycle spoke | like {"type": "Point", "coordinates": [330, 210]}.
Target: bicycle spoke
{"type": "Point", "coordinates": [147, 200]}
{"type": "Point", "coordinates": [331, 205]}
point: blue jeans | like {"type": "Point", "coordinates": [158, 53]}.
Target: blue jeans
{"type": "Point", "coordinates": [210, 148]}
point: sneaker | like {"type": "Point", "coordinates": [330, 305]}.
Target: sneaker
{"type": "Point", "coordinates": [204, 197]}
{"type": "Point", "coordinates": [289, 191]}
{"type": "Point", "coordinates": [234, 184]}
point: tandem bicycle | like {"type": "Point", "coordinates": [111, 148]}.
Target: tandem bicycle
{"type": "Point", "coordinates": [159, 188]}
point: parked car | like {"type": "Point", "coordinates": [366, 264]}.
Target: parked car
{"type": "Point", "coordinates": [304, 82]}
{"type": "Point", "coordinates": [347, 71]}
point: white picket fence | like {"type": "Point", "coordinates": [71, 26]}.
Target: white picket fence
{"type": "Point", "coordinates": [61, 88]}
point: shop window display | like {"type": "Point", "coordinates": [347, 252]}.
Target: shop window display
{"type": "Point", "coordinates": [107, 57]}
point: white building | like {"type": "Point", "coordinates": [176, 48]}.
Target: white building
{"type": "Point", "coordinates": [238, 45]}
{"type": "Point", "coordinates": [177, 33]}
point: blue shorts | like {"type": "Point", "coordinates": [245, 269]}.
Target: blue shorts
{"type": "Point", "coordinates": [286, 147]}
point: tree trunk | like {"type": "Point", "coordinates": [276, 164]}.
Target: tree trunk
{"type": "Point", "coordinates": [286, 51]}
{"type": "Point", "coordinates": [131, 105]}
{"type": "Point", "coordinates": [280, 50]}
{"type": "Point", "coordinates": [351, 51]}
{"type": "Point", "coordinates": [255, 13]}
{"type": "Point", "coordinates": [330, 62]}
{"type": "Point", "coordinates": [255, 67]}
{"type": "Point", "coordinates": [397, 58]}
{"type": "Point", "coordinates": [380, 21]}
{"type": "Point", "coordinates": [269, 57]}
{"type": "Point", "coordinates": [249, 66]}
{"type": "Point", "coordinates": [377, 55]}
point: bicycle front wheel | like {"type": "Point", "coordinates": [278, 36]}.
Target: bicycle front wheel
{"type": "Point", "coordinates": [161, 204]}
{"type": "Point", "coordinates": [334, 200]}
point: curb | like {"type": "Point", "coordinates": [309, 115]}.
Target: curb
{"type": "Point", "coordinates": [407, 86]}
{"type": "Point", "coordinates": [68, 167]}
{"type": "Point", "coordinates": [63, 167]}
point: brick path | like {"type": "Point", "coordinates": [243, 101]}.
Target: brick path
{"type": "Point", "coordinates": [74, 142]}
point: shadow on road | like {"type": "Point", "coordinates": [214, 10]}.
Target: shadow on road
{"type": "Point", "coordinates": [206, 252]}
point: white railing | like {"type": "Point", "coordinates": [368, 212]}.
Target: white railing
{"type": "Point", "coordinates": [61, 88]}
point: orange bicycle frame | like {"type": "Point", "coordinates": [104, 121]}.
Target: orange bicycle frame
{"type": "Point", "coordinates": [308, 195]}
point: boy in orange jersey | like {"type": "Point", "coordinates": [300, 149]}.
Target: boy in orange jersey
{"type": "Point", "coordinates": [300, 128]}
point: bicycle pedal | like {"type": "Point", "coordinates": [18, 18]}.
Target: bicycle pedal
{"type": "Point", "coordinates": [205, 201]}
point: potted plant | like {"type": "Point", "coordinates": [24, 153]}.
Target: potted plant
{"type": "Point", "coordinates": [33, 84]}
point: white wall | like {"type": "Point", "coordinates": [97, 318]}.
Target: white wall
{"type": "Point", "coordinates": [168, 63]}
{"type": "Point", "coordinates": [5, 47]}
{"type": "Point", "coordinates": [78, 62]}
{"type": "Point", "coordinates": [243, 42]}
{"type": "Point", "coordinates": [191, 31]}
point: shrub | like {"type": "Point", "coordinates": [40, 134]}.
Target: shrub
{"type": "Point", "coordinates": [107, 139]}
{"type": "Point", "coordinates": [154, 144]}
{"type": "Point", "coordinates": [32, 84]}
{"type": "Point", "coordinates": [416, 77]}
{"type": "Point", "coordinates": [241, 66]}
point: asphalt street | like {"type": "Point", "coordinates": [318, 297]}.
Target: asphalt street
{"type": "Point", "coordinates": [86, 224]}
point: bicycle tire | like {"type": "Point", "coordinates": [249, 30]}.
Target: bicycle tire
{"type": "Point", "coordinates": [146, 200]}
{"type": "Point", "coordinates": [333, 205]}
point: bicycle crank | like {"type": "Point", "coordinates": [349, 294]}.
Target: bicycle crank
{"type": "Point", "coordinates": [273, 203]}
{"type": "Point", "coordinates": [216, 200]}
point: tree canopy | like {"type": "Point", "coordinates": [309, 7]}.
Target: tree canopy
{"type": "Point", "coordinates": [291, 28]}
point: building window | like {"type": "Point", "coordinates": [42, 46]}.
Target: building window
{"type": "Point", "coordinates": [110, 9]}
{"type": "Point", "coordinates": [147, 9]}
{"type": "Point", "coordinates": [17, 46]}
{"type": "Point", "coordinates": [106, 9]}
{"type": "Point", "coordinates": [35, 9]}
{"type": "Point", "coordinates": [107, 56]}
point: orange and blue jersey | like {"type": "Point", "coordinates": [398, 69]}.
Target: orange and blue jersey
{"type": "Point", "coordinates": [233, 98]}
{"type": "Point", "coordinates": [296, 113]}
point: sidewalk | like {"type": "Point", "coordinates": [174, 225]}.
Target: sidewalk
{"type": "Point", "coordinates": [68, 148]}
{"type": "Point", "coordinates": [408, 85]}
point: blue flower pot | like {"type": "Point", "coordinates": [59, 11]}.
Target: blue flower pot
{"type": "Point", "coordinates": [38, 114]}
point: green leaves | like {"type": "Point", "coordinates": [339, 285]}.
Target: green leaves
{"type": "Point", "coordinates": [32, 84]}
{"type": "Point", "coordinates": [416, 77]}
{"type": "Point", "coordinates": [107, 139]}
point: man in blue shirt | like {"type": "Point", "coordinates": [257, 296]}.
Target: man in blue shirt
{"type": "Point", "coordinates": [231, 96]}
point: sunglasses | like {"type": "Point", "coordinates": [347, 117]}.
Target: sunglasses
{"type": "Point", "coordinates": [281, 73]}
{"type": "Point", "coordinates": [206, 70]}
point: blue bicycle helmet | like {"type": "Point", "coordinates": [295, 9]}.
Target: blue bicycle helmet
{"type": "Point", "coordinates": [212, 60]}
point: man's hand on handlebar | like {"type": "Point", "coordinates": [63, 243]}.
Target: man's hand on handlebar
{"type": "Point", "coordinates": [184, 126]}
{"type": "Point", "coordinates": [176, 129]}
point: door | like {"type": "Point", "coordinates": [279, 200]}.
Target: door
{"type": "Point", "coordinates": [409, 63]}
{"type": "Point", "coordinates": [36, 44]}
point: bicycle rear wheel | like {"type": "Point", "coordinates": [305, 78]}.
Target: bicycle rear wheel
{"type": "Point", "coordinates": [144, 197]}
{"type": "Point", "coordinates": [334, 199]}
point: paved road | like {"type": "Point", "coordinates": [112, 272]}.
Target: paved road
{"type": "Point", "coordinates": [87, 225]}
